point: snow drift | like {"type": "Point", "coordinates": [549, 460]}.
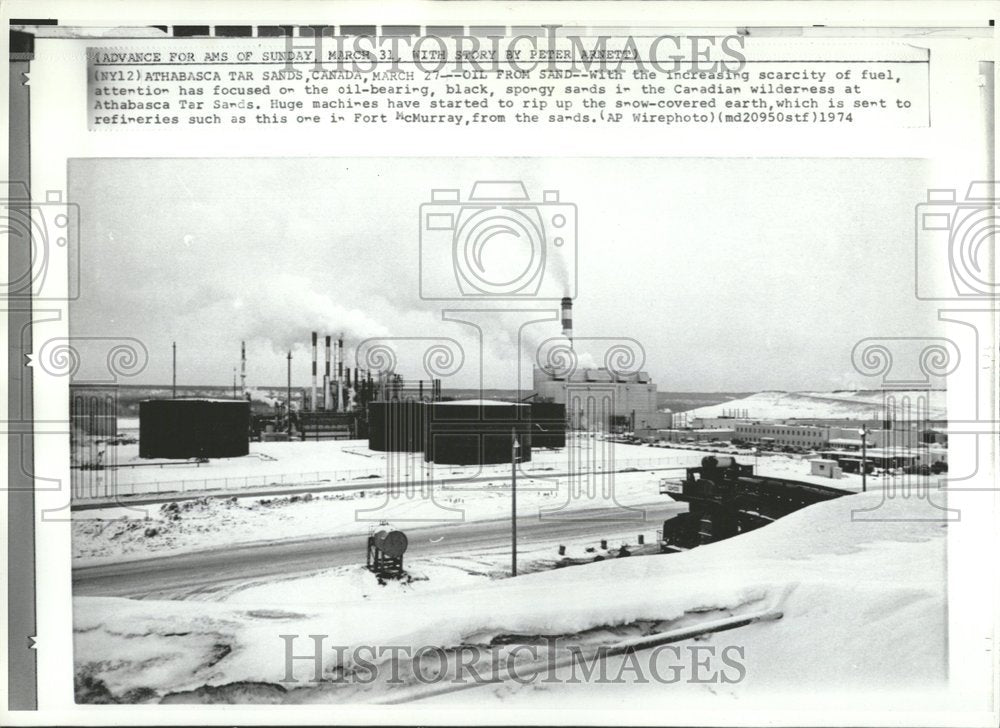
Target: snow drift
{"type": "Point", "coordinates": [863, 604]}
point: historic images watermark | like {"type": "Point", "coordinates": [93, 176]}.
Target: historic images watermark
{"type": "Point", "coordinates": [492, 50]}
{"type": "Point", "coordinates": [508, 256]}
{"type": "Point", "coordinates": [546, 660]}
{"type": "Point", "coordinates": [957, 234]}
{"type": "Point", "coordinates": [954, 260]}
{"type": "Point", "coordinates": [460, 258]}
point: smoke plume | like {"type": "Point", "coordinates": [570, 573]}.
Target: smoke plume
{"type": "Point", "coordinates": [285, 310]}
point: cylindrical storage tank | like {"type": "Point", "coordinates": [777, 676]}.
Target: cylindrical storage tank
{"type": "Point", "coordinates": [476, 432]}
{"type": "Point", "coordinates": [194, 428]}
{"type": "Point", "coordinates": [396, 426]}
{"type": "Point", "coordinates": [548, 424]}
{"type": "Point", "coordinates": [391, 543]}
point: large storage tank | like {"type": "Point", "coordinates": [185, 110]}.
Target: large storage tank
{"type": "Point", "coordinates": [548, 424]}
{"type": "Point", "coordinates": [476, 432]}
{"type": "Point", "coordinates": [194, 428]}
{"type": "Point", "coordinates": [396, 426]}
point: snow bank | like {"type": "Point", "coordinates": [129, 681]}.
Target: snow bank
{"type": "Point", "coordinates": [863, 605]}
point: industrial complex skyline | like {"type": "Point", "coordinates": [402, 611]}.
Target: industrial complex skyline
{"type": "Point", "coordinates": [732, 274]}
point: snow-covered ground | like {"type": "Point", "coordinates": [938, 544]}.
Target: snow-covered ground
{"type": "Point", "coordinates": [863, 602]}
{"type": "Point", "coordinates": [833, 405]}
{"type": "Point", "coordinates": [441, 574]}
{"type": "Point", "coordinates": [109, 535]}
{"type": "Point", "coordinates": [337, 462]}
{"type": "Point", "coordinates": [863, 606]}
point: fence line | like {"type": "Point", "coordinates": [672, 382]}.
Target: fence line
{"type": "Point", "coordinates": [104, 483]}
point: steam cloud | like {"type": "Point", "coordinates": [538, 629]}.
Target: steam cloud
{"type": "Point", "coordinates": [286, 310]}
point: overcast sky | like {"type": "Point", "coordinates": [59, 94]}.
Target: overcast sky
{"type": "Point", "coordinates": [743, 274]}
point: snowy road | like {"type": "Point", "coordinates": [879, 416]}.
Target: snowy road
{"type": "Point", "coordinates": [185, 575]}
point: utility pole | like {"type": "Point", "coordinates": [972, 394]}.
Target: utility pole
{"type": "Point", "coordinates": [288, 394]}
{"type": "Point", "coordinates": [173, 386]}
{"type": "Point", "coordinates": [234, 383]}
{"type": "Point", "coordinates": [864, 458]}
{"type": "Point", "coordinates": [513, 501]}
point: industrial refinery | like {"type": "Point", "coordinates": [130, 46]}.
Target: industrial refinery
{"type": "Point", "coordinates": [385, 409]}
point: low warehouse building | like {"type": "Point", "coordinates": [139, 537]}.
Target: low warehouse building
{"type": "Point", "coordinates": [194, 428]}
{"type": "Point", "coordinates": [713, 434]}
{"type": "Point", "coordinates": [476, 432]}
{"type": "Point", "coordinates": [824, 468]}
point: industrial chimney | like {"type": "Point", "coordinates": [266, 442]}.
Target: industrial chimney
{"type": "Point", "coordinates": [567, 319]}
{"type": "Point", "coordinates": [326, 375]}
{"type": "Point", "coordinates": [243, 367]}
{"type": "Point", "coordinates": [340, 374]}
{"type": "Point", "coordinates": [313, 403]}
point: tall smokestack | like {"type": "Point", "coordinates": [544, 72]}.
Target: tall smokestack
{"type": "Point", "coordinates": [288, 394]}
{"type": "Point", "coordinates": [340, 373]}
{"type": "Point", "coordinates": [243, 367]}
{"type": "Point", "coordinates": [326, 376]}
{"type": "Point", "coordinates": [313, 403]}
{"type": "Point", "coordinates": [567, 319]}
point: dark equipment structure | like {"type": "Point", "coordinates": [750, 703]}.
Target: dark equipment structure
{"type": "Point", "coordinates": [548, 424]}
{"type": "Point", "coordinates": [396, 425]}
{"type": "Point", "coordinates": [725, 499]}
{"type": "Point", "coordinates": [385, 553]}
{"type": "Point", "coordinates": [194, 428]}
{"type": "Point", "coordinates": [476, 432]}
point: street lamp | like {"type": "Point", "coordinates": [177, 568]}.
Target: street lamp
{"type": "Point", "coordinates": [514, 447]}
{"type": "Point", "coordinates": [864, 457]}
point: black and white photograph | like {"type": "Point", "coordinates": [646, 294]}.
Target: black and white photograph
{"type": "Point", "coordinates": [456, 452]}
{"type": "Point", "coordinates": [590, 391]}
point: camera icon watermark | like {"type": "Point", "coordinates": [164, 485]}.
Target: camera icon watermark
{"type": "Point", "coordinates": [497, 245]}
{"type": "Point", "coordinates": [961, 235]}
{"type": "Point", "coordinates": [48, 232]}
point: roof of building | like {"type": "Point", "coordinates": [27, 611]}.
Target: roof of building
{"type": "Point", "coordinates": [481, 403]}
{"type": "Point", "coordinates": [602, 374]}
{"type": "Point", "coordinates": [214, 400]}
{"type": "Point", "coordinates": [875, 452]}
{"type": "Point", "coordinates": [697, 429]}
{"type": "Point", "coordinates": [844, 441]}
{"type": "Point", "coordinates": [767, 423]}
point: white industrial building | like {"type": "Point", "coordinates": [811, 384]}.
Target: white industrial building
{"type": "Point", "coordinates": [592, 395]}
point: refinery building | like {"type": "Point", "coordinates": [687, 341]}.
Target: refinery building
{"type": "Point", "coordinates": [629, 399]}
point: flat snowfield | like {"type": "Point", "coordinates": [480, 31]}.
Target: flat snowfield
{"type": "Point", "coordinates": [337, 462]}
{"type": "Point", "coordinates": [862, 605]}
{"type": "Point", "coordinates": [117, 534]}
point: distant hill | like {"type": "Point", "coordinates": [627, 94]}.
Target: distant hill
{"type": "Point", "coordinates": [684, 401]}
{"type": "Point", "coordinates": [130, 395]}
{"type": "Point", "coordinates": [847, 404]}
